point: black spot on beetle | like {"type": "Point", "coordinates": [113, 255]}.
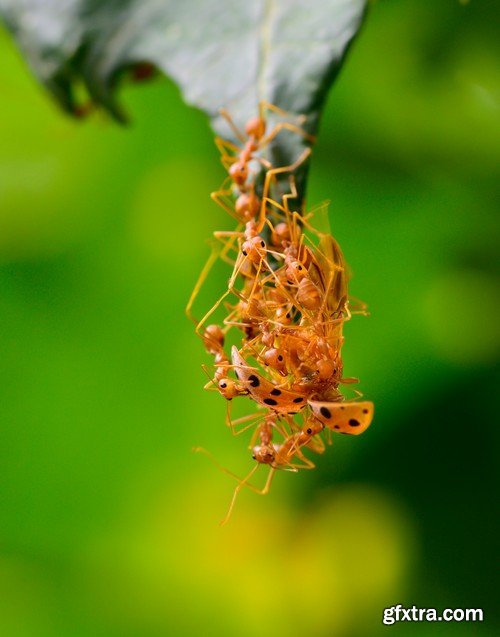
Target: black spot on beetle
{"type": "Point", "coordinates": [276, 392]}
{"type": "Point", "coordinates": [254, 381]}
{"type": "Point", "coordinates": [309, 431]}
{"type": "Point", "coordinates": [270, 401]}
{"type": "Point", "coordinates": [299, 399]}
{"type": "Point", "coordinates": [337, 427]}
{"type": "Point", "coordinates": [354, 423]}
{"type": "Point", "coordinates": [325, 412]}
{"type": "Point", "coordinates": [365, 411]}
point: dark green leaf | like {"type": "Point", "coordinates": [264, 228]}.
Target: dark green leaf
{"type": "Point", "coordinates": [220, 52]}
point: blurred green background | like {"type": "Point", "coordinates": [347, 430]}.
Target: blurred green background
{"type": "Point", "coordinates": [108, 521]}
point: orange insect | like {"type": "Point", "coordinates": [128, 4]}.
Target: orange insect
{"type": "Point", "coordinates": [237, 160]}
{"type": "Point", "coordinates": [289, 301]}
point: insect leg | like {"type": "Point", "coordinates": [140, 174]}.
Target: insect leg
{"type": "Point", "coordinates": [234, 128]}
{"type": "Point", "coordinates": [243, 483]}
{"type": "Point", "coordinates": [267, 106]}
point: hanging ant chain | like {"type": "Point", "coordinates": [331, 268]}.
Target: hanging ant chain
{"type": "Point", "coordinates": [287, 299]}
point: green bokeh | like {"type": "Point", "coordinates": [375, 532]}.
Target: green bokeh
{"type": "Point", "coordinates": [108, 521]}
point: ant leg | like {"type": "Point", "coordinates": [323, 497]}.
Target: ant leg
{"type": "Point", "coordinates": [243, 483]}
{"type": "Point", "coordinates": [211, 311]}
{"type": "Point", "coordinates": [199, 283]}
{"type": "Point", "coordinates": [211, 382]}
{"type": "Point", "coordinates": [286, 126]}
{"type": "Point", "coordinates": [318, 446]}
{"type": "Point", "coordinates": [232, 424]}
{"type": "Point", "coordinates": [265, 105]}
{"type": "Point", "coordinates": [271, 174]}
{"type": "Point", "coordinates": [234, 128]}
{"type": "Point", "coordinates": [329, 439]}
{"type": "Point", "coordinates": [360, 307]}
{"type": "Point", "coordinates": [230, 287]}
{"type": "Point", "coordinates": [223, 145]}
{"type": "Point", "coordinates": [240, 262]}
{"type": "Point", "coordinates": [228, 245]}
{"type": "Point", "coordinates": [307, 464]}
{"type": "Point", "coordinates": [285, 211]}
{"type": "Point", "coordinates": [221, 198]}
{"type": "Point", "coordinates": [282, 431]}
{"type": "Point", "coordinates": [258, 430]}
{"type": "Point", "coordinates": [228, 239]}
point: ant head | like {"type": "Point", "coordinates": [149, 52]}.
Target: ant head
{"type": "Point", "coordinates": [264, 454]}
{"type": "Point", "coordinates": [325, 369]}
{"type": "Point", "coordinates": [239, 172]}
{"type": "Point", "coordinates": [256, 127]}
{"type": "Point", "coordinates": [275, 359]}
{"type": "Point", "coordinates": [227, 387]}
{"type": "Point", "coordinates": [254, 249]}
{"type": "Point", "coordinates": [312, 426]}
{"type": "Point", "coordinates": [296, 271]}
{"type": "Point", "coordinates": [283, 316]}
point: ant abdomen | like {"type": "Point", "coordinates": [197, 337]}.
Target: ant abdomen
{"type": "Point", "coordinates": [247, 205]}
{"type": "Point", "coordinates": [256, 127]}
{"type": "Point", "coordinates": [281, 235]}
{"type": "Point", "coordinates": [213, 338]}
{"type": "Point", "coordinates": [309, 295]}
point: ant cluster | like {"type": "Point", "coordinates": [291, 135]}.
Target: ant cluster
{"type": "Point", "coordinates": [287, 300]}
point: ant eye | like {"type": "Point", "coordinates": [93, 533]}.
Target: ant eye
{"type": "Point", "coordinates": [254, 457]}
{"type": "Point", "coordinates": [262, 244]}
{"type": "Point", "coordinates": [299, 267]}
{"type": "Point", "coordinates": [309, 431]}
{"type": "Point", "coordinates": [223, 385]}
{"type": "Point", "coordinates": [280, 358]}
{"type": "Point", "coordinates": [244, 253]}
